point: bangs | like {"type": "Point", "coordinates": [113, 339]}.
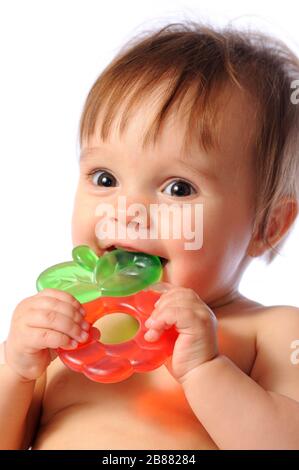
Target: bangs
{"type": "Point", "coordinates": [191, 92]}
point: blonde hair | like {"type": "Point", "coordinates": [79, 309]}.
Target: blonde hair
{"type": "Point", "coordinates": [207, 58]}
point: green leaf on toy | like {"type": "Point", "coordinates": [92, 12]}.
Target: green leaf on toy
{"type": "Point", "coordinates": [85, 256]}
{"type": "Point", "coordinates": [124, 273]}
{"type": "Point", "coordinates": [87, 277]}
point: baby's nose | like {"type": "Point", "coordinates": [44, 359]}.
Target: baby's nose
{"type": "Point", "coordinates": [129, 211]}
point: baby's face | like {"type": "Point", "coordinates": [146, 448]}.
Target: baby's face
{"type": "Point", "coordinates": [220, 181]}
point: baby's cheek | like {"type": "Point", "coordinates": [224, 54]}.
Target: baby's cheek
{"type": "Point", "coordinates": [83, 222]}
{"type": "Point", "coordinates": [184, 264]}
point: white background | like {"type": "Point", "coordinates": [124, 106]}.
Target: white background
{"type": "Point", "coordinates": [51, 53]}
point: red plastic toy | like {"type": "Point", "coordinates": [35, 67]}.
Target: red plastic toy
{"type": "Point", "coordinates": [110, 363]}
{"type": "Point", "coordinates": [118, 281]}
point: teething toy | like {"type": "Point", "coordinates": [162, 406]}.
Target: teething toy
{"type": "Point", "coordinates": [104, 285]}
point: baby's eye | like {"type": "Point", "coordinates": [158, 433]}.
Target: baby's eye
{"type": "Point", "coordinates": [103, 178]}
{"type": "Point", "coordinates": [180, 188]}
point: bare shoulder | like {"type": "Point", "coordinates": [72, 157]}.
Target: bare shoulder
{"type": "Point", "coordinates": [277, 333]}
{"type": "Point", "coordinates": [263, 318]}
{"type": "Point", "coordinates": [278, 312]}
{"type": "Point", "coordinates": [279, 322]}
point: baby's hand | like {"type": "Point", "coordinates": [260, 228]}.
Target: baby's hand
{"type": "Point", "coordinates": [195, 323]}
{"type": "Point", "coordinates": [49, 319]}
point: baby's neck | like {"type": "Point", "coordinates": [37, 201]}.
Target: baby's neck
{"type": "Point", "coordinates": [228, 298]}
{"type": "Point", "coordinates": [233, 302]}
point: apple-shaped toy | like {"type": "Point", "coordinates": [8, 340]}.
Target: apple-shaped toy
{"type": "Point", "coordinates": [118, 281]}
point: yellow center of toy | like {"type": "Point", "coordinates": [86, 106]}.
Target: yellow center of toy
{"type": "Point", "coordinates": [116, 328]}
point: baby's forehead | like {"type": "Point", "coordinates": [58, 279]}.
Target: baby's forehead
{"type": "Point", "coordinates": [232, 127]}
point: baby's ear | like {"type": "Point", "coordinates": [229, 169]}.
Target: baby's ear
{"type": "Point", "coordinates": [281, 219]}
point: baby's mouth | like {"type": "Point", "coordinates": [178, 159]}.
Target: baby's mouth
{"type": "Point", "coordinates": [163, 260]}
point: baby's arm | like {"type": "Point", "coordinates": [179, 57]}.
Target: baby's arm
{"type": "Point", "coordinates": [20, 404]}
{"type": "Point", "coordinates": [40, 324]}
{"type": "Point", "coordinates": [257, 412]}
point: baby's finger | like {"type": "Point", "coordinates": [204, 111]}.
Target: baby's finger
{"type": "Point", "coordinates": [178, 306]}
{"type": "Point", "coordinates": [53, 320]}
{"type": "Point", "coordinates": [62, 295]}
{"type": "Point", "coordinates": [157, 325]}
{"type": "Point", "coordinates": [184, 318]}
{"type": "Point", "coordinates": [160, 322]}
{"type": "Point", "coordinates": [179, 294]}
{"type": "Point", "coordinates": [160, 287]}
{"type": "Point", "coordinates": [57, 305]}
{"type": "Point", "coordinates": [42, 338]}
{"type": "Point", "coordinates": [152, 335]}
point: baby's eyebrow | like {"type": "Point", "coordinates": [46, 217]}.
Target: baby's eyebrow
{"type": "Point", "coordinates": [185, 162]}
{"type": "Point", "coordinates": [90, 151]}
{"type": "Point", "coordinates": [196, 169]}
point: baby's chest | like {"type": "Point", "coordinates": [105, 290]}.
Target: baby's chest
{"type": "Point", "coordinates": [140, 395]}
{"type": "Point", "coordinates": [145, 411]}
{"type": "Point", "coordinates": [67, 388]}
{"type": "Point", "coordinates": [147, 407]}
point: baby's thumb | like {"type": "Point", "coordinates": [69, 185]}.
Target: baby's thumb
{"type": "Point", "coordinates": [160, 287]}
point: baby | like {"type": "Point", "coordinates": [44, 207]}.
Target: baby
{"type": "Point", "coordinates": [194, 115]}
